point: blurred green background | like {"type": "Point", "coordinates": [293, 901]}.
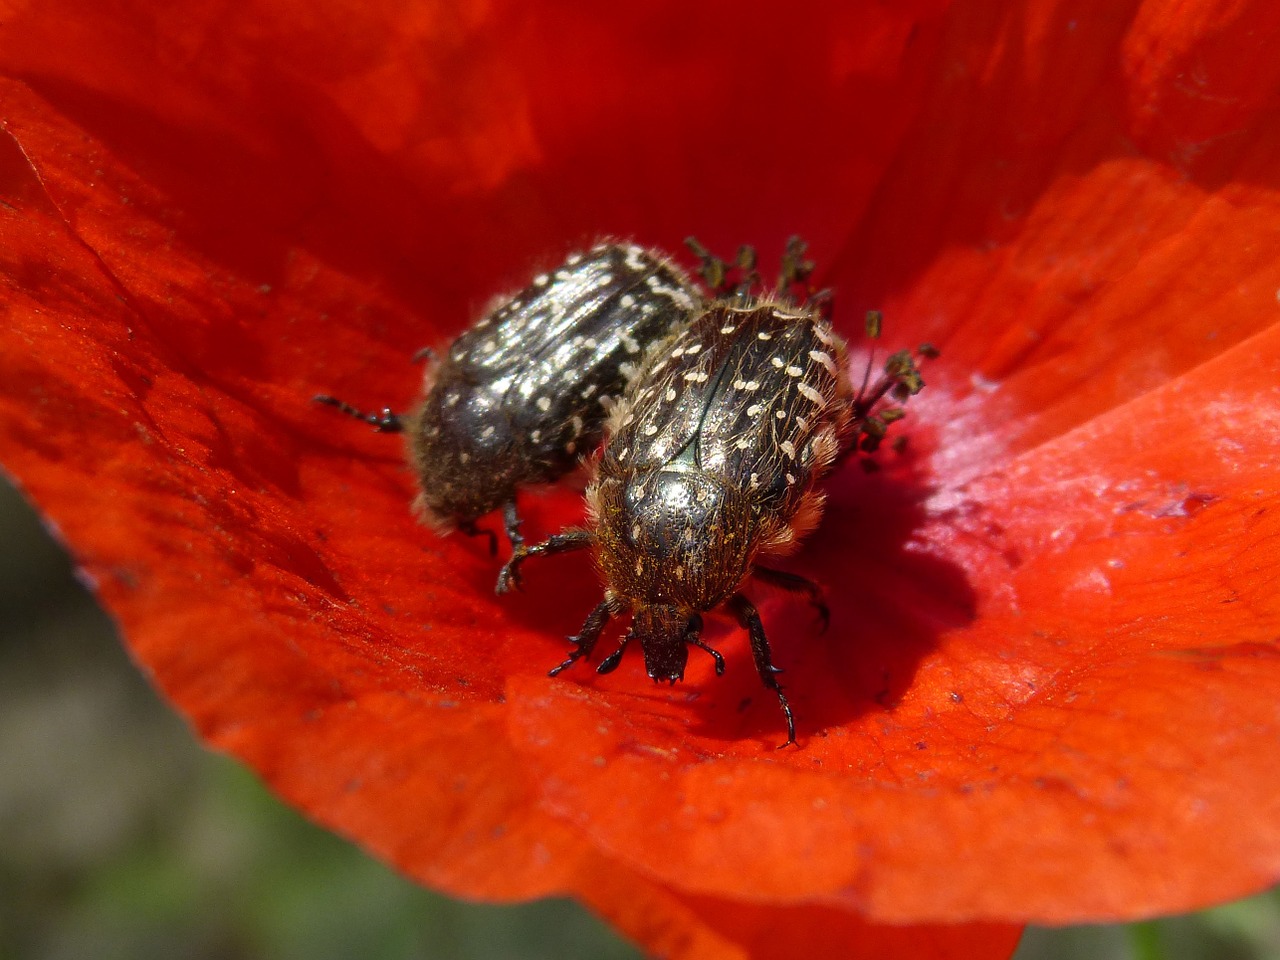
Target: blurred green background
{"type": "Point", "coordinates": [120, 837]}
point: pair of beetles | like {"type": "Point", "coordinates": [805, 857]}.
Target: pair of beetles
{"type": "Point", "coordinates": [721, 412]}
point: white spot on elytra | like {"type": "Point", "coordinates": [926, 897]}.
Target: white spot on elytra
{"type": "Point", "coordinates": [627, 300]}
{"type": "Point", "coordinates": [635, 259]}
{"type": "Point", "coordinates": [650, 430]}
{"type": "Point", "coordinates": [588, 390]}
{"type": "Point", "coordinates": [794, 371]}
{"type": "Point", "coordinates": [780, 414]}
{"type": "Point", "coordinates": [778, 362]}
{"type": "Point", "coordinates": [693, 348]}
{"type": "Point", "coordinates": [728, 328]}
{"type": "Point", "coordinates": [764, 335]}
{"type": "Point", "coordinates": [790, 479]}
{"type": "Point", "coordinates": [754, 410]}
{"type": "Point", "coordinates": [535, 435]}
{"type": "Point", "coordinates": [789, 448]}
{"type": "Point", "coordinates": [577, 425]}
{"type": "Point", "coordinates": [825, 359]}
{"type": "Point", "coordinates": [670, 394]}
{"type": "Point", "coordinates": [543, 404]}
{"type": "Point", "coordinates": [742, 443]}
{"type": "Point", "coordinates": [811, 394]}
{"type": "Point", "coordinates": [488, 432]}
{"type": "Point", "coordinates": [541, 280]}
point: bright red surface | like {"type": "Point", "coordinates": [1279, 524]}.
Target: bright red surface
{"type": "Point", "coordinates": [1051, 688]}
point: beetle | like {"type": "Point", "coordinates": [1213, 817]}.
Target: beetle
{"type": "Point", "coordinates": [711, 464]}
{"type": "Point", "coordinates": [520, 396]}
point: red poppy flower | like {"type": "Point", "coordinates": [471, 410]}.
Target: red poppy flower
{"type": "Point", "coordinates": [1051, 688]}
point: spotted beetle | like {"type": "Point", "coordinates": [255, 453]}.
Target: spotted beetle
{"type": "Point", "coordinates": [520, 396]}
{"type": "Point", "coordinates": [712, 462]}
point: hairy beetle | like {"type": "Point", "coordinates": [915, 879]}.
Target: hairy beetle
{"type": "Point", "coordinates": [522, 394]}
{"type": "Point", "coordinates": [712, 462]}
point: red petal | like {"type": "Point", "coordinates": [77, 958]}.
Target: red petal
{"type": "Point", "coordinates": [1049, 692]}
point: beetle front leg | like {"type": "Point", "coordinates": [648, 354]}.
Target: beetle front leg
{"type": "Point", "coordinates": [509, 576]}
{"type": "Point", "coordinates": [693, 637]}
{"type": "Point", "coordinates": [749, 617]}
{"type": "Point", "coordinates": [585, 639]}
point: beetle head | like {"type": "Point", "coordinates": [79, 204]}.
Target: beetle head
{"type": "Point", "coordinates": [662, 630]}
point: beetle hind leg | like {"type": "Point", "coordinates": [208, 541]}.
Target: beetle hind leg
{"type": "Point", "coordinates": [385, 421]}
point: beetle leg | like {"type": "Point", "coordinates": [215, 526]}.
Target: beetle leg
{"type": "Point", "coordinates": [586, 638]}
{"type": "Point", "coordinates": [509, 576]}
{"type": "Point", "coordinates": [694, 638]}
{"type": "Point", "coordinates": [796, 584]}
{"type": "Point", "coordinates": [511, 520]}
{"type": "Point", "coordinates": [796, 270]}
{"type": "Point", "coordinates": [471, 530]}
{"type": "Point", "coordinates": [384, 422]}
{"type": "Point", "coordinates": [610, 663]}
{"type": "Point", "coordinates": [714, 271]}
{"type": "Point", "coordinates": [749, 617]}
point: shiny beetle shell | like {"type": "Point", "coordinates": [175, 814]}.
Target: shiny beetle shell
{"type": "Point", "coordinates": [526, 391]}
{"type": "Point", "coordinates": [520, 396]}
{"type": "Point", "coordinates": [746, 409]}
{"type": "Point", "coordinates": [712, 463]}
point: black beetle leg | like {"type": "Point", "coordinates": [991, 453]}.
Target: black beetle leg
{"type": "Point", "coordinates": [796, 270]}
{"type": "Point", "coordinates": [509, 576]}
{"type": "Point", "coordinates": [471, 530]}
{"type": "Point", "coordinates": [693, 637]}
{"type": "Point", "coordinates": [585, 640]}
{"type": "Point", "coordinates": [714, 271]}
{"type": "Point", "coordinates": [610, 663]}
{"type": "Point", "coordinates": [511, 521]}
{"type": "Point", "coordinates": [384, 422]}
{"type": "Point", "coordinates": [748, 278]}
{"type": "Point", "coordinates": [749, 618]}
{"type": "Point", "coordinates": [796, 584]}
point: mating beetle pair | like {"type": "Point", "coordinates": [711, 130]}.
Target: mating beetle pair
{"type": "Point", "coordinates": [724, 416]}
